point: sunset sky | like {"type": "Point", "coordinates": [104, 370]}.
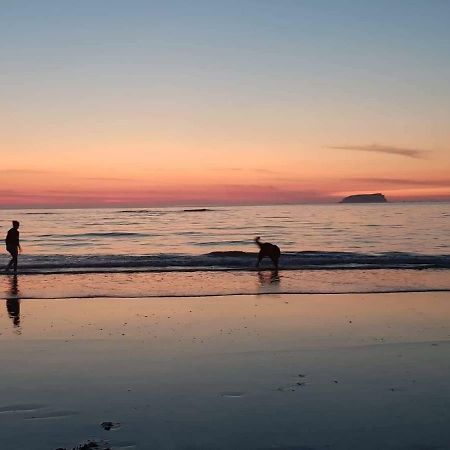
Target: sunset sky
{"type": "Point", "coordinates": [149, 103]}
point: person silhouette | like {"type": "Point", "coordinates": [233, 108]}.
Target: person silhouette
{"type": "Point", "coordinates": [12, 242]}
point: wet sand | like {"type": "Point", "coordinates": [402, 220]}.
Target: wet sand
{"type": "Point", "coordinates": [273, 371]}
{"type": "Point", "coordinates": [216, 283]}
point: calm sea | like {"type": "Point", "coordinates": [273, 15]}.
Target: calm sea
{"type": "Point", "coordinates": [177, 252]}
{"type": "Point", "coordinates": [219, 238]}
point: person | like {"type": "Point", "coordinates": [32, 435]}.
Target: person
{"type": "Point", "coordinates": [13, 245]}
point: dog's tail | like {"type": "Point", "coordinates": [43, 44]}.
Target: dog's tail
{"type": "Point", "coordinates": [257, 241]}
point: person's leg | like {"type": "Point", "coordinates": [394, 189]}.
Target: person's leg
{"type": "Point", "coordinates": [8, 267]}
{"type": "Point", "coordinates": [14, 261]}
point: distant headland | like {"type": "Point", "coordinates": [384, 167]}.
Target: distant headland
{"type": "Point", "coordinates": [365, 198]}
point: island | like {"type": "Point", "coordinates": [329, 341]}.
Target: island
{"type": "Point", "coordinates": [365, 198]}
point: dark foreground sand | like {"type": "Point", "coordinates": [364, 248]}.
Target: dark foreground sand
{"type": "Point", "coordinates": [360, 371]}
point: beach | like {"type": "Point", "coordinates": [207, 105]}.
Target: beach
{"type": "Point", "coordinates": [224, 225]}
{"type": "Point", "coordinates": [269, 371]}
{"type": "Point", "coordinates": [152, 329]}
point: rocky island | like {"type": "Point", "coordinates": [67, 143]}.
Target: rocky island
{"type": "Point", "coordinates": [365, 198]}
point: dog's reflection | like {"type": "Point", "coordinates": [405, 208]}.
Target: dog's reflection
{"type": "Point", "coordinates": [13, 302]}
{"type": "Point", "coordinates": [268, 278]}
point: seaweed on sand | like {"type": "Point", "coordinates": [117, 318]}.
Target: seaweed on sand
{"type": "Point", "coordinates": [89, 445]}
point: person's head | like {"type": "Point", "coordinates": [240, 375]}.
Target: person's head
{"type": "Point", "coordinates": [15, 224]}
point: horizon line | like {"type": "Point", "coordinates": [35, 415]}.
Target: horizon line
{"type": "Point", "coordinates": [203, 205]}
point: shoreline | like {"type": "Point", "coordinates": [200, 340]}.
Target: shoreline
{"type": "Point", "coordinates": [137, 270]}
{"type": "Point", "coordinates": [243, 294]}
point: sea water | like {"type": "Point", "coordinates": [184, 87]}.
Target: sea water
{"type": "Point", "coordinates": [315, 240]}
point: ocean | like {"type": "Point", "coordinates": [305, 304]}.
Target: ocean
{"type": "Point", "coordinates": [318, 243]}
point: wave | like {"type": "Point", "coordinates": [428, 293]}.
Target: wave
{"type": "Point", "coordinates": [220, 243]}
{"type": "Point", "coordinates": [198, 210]}
{"type": "Point", "coordinates": [93, 234]}
{"type": "Point", "coordinates": [140, 211]}
{"type": "Point", "coordinates": [41, 213]}
{"type": "Point", "coordinates": [227, 260]}
{"type": "Point", "coordinates": [160, 212]}
{"type": "Point", "coordinates": [109, 234]}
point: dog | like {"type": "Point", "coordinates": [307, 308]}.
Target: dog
{"type": "Point", "coordinates": [270, 250]}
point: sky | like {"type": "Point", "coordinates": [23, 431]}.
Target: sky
{"type": "Point", "coordinates": [151, 103]}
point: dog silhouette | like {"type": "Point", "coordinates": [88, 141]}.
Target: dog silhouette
{"type": "Point", "coordinates": [268, 250]}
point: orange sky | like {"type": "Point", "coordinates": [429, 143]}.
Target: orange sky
{"type": "Point", "coordinates": [146, 185]}
{"type": "Point", "coordinates": [151, 106]}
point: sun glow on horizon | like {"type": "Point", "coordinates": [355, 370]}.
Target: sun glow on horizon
{"type": "Point", "coordinates": [164, 104]}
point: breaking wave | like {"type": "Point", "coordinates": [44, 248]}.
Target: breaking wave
{"type": "Point", "coordinates": [227, 260]}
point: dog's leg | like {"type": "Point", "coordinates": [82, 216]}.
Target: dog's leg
{"type": "Point", "coordinates": [275, 261]}
{"type": "Point", "coordinates": [260, 257]}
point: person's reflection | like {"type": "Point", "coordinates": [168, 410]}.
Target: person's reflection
{"type": "Point", "coordinates": [13, 302]}
{"type": "Point", "coordinates": [269, 280]}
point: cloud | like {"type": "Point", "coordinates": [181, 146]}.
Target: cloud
{"type": "Point", "coordinates": [416, 153]}
{"type": "Point", "coordinates": [404, 182]}
{"type": "Point", "coordinates": [268, 171]}
{"type": "Point", "coordinates": [24, 171]}
{"type": "Point", "coordinates": [122, 180]}
{"type": "Point", "coordinates": [225, 194]}
{"type": "Point", "coordinates": [241, 169]}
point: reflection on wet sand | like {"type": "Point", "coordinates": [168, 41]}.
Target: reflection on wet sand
{"type": "Point", "coordinates": [214, 368]}
{"type": "Point", "coordinates": [13, 302]}
{"type": "Point", "coordinates": [269, 280]}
